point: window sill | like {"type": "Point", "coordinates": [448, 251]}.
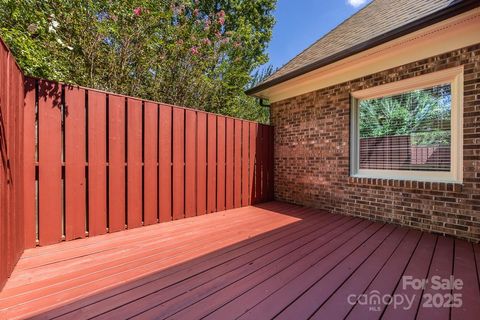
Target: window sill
{"type": "Point", "coordinates": [453, 186]}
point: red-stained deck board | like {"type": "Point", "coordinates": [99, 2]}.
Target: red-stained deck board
{"type": "Point", "coordinates": [190, 163]}
{"type": "Point", "coordinates": [386, 280]}
{"type": "Point", "coordinates": [440, 266]}
{"type": "Point", "coordinates": [476, 251]}
{"type": "Point", "coordinates": [178, 175]}
{"type": "Point", "coordinates": [465, 270]}
{"type": "Point", "coordinates": [247, 296]}
{"type": "Point", "coordinates": [231, 256]}
{"type": "Point", "coordinates": [417, 268]}
{"type": "Point", "coordinates": [109, 300]}
{"type": "Point", "coordinates": [221, 121]}
{"type": "Point", "coordinates": [237, 187]}
{"type": "Point", "coordinates": [165, 163]}
{"type": "Point", "coordinates": [29, 164]}
{"type": "Point", "coordinates": [50, 172]}
{"type": "Point", "coordinates": [150, 193]}
{"type": "Point", "coordinates": [229, 171]}
{"type": "Point", "coordinates": [317, 294]}
{"type": "Point", "coordinates": [116, 163]}
{"type": "Point", "coordinates": [212, 163]}
{"type": "Point", "coordinates": [357, 283]}
{"type": "Point", "coordinates": [289, 292]}
{"type": "Point", "coordinates": [126, 268]}
{"type": "Point", "coordinates": [75, 158]}
{"type": "Point", "coordinates": [205, 286]}
{"type": "Point", "coordinates": [201, 163]}
{"type": "Point", "coordinates": [97, 163]}
{"type": "Point", "coordinates": [134, 163]}
{"type": "Point", "coordinates": [249, 263]}
{"type": "Point", "coordinates": [243, 296]}
{"type": "Point", "coordinates": [295, 249]}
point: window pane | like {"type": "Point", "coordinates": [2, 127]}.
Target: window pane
{"type": "Point", "coordinates": [409, 131]}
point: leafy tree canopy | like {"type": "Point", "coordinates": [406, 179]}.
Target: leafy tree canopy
{"type": "Point", "coordinates": [196, 53]}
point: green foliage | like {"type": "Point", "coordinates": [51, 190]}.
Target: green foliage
{"type": "Point", "coordinates": [186, 52]}
{"type": "Point", "coordinates": [422, 114]}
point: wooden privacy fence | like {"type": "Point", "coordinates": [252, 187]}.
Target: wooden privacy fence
{"type": "Point", "coordinates": [11, 163]}
{"type": "Point", "coordinates": [398, 153]}
{"type": "Point", "coordinates": [97, 162]}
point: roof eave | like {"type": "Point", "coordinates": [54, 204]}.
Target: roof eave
{"type": "Point", "coordinates": [449, 12]}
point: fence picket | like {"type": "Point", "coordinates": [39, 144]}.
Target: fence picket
{"type": "Point", "coordinates": [75, 159]}
{"type": "Point", "coordinates": [229, 164]}
{"type": "Point", "coordinates": [212, 163]}
{"type": "Point", "coordinates": [29, 164]}
{"type": "Point", "coordinates": [190, 167]}
{"type": "Point", "coordinates": [220, 163]}
{"type": "Point", "coordinates": [245, 162]}
{"type": "Point", "coordinates": [134, 163]}
{"type": "Point", "coordinates": [178, 177]}
{"type": "Point", "coordinates": [116, 163]}
{"type": "Point", "coordinates": [259, 188]}
{"type": "Point", "coordinates": [165, 163]}
{"type": "Point", "coordinates": [150, 163]}
{"type": "Point", "coordinates": [201, 163]}
{"type": "Point", "coordinates": [50, 168]}
{"type": "Point", "coordinates": [97, 158]}
{"type": "Point", "coordinates": [237, 198]}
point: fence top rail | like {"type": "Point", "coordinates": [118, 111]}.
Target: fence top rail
{"type": "Point", "coordinates": [145, 100]}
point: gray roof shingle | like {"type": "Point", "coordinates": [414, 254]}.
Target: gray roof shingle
{"type": "Point", "coordinates": [376, 19]}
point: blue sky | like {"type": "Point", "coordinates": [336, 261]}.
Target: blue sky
{"type": "Point", "coordinates": [302, 22]}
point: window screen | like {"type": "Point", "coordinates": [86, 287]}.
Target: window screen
{"type": "Point", "coordinates": [409, 131]}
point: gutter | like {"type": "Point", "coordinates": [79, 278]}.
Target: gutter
{"type": "Point", "coordinates": [453, 10]}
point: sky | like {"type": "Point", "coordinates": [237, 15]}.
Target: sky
{"type": "Point", "coordinates": [299, 23]}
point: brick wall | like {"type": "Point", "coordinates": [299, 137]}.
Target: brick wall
{"type": "Point", "coordinates": [312, 156]}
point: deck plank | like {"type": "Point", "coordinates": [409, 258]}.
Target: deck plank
{"type": "Point", "coordinates": [222, 275]}
{"type": "Point", "coordinates": [282, 298]}
{"type": "Point", "coordinates": [185, 270]}
{"type": "Point", "coordinates": [335, 306]}
{"type": "Point", "coordinates": [314, 297]}
{"type": "Point", "coordinates": [98, 257]}
{"type": "Point", "coordinates": [441, 266]}
{"type": "Point", "coordinates": [386, 280]}
{"type": "Point", "coordinates": [464, 269]}
{"type": "Point", "coordinates": [258, 262]}
{"type": "Point", "coordinates": [202, 266]}
{"type": "Point", "coordinates": [417, 268]}
{"type": "Point", "coordinates": [116, 271]}
{"type": "Point", "coordinates": [236, 298]}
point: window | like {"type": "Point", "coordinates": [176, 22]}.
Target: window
{"type": "Point", "coordinates": [411, 129]}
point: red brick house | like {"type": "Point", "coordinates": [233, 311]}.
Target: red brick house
{"type": "Point", "coordinates": [340, 143]}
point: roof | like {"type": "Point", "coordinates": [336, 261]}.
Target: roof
{"type": "Point", "coordinates": [377, 23]}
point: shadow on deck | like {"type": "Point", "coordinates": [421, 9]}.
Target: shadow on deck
{"type": "Point", "coordinates": [271, 260]}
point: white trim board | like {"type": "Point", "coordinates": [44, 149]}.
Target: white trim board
{"type": "Point", "coordinates": [454, 77]}
{"type": "Point", "coordinates": [455, 33]}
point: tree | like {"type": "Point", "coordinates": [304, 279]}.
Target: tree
{"type": "Point", "coordinates": [187, 52]}
{"type": "Point", "coordinates": [423, 114]}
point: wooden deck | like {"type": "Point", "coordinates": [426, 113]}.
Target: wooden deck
{"type": "Point", "coordinates": [273, 260]}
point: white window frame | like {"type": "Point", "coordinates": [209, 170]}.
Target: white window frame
{"type": "Point", "coordinates": [454, 77]}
